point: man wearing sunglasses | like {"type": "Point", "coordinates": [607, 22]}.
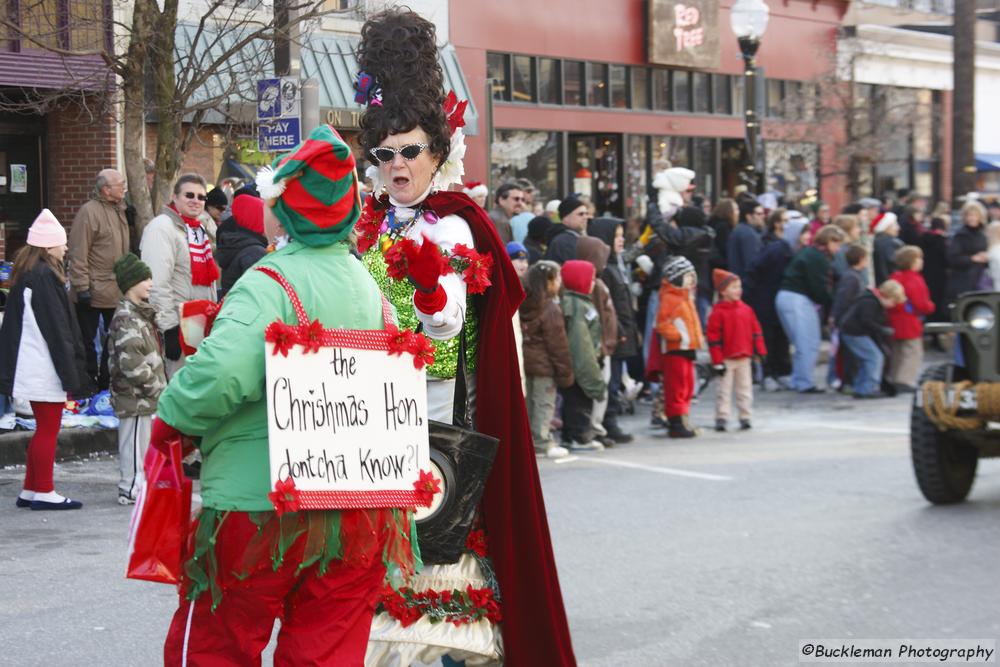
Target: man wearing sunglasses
{"type": "Point", "coordinates": [510, 202]}
{"type": "Point", "coordinates": [177, 246]}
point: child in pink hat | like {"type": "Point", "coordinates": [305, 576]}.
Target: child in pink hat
{"type": "Point", "coordinates": [41, 354]}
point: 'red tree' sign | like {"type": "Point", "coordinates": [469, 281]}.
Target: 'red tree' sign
{"type": "Point", "coordinates": [684, 34]}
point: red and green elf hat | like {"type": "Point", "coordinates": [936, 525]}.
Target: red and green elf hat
{"type": "Point", "coordinates": [314, 189]}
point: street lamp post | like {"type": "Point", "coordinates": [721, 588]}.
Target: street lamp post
{"type": "Point", "coordinates": [748, 19]}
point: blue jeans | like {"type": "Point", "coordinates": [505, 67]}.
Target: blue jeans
{"type": "Point", "coordinates": [800, 320]}
{"type": "Point", "coordinates": [868, 377]}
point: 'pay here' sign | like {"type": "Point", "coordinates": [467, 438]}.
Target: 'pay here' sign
{"type": "Point", "coordinates": [348, 426]}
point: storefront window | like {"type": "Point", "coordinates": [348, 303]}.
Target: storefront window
{"type": "Point", "coordinates": [723, 100]}
{"type": "Point", "coordinates": [524, 79]}
{"type": "Point", "coordinates": [703, 166]}
{"type": "Point", "coordinates": [674, 150]}
{"type": "Point", "coordinates": [640, 88]}
{"type": "Point", "coordinates": [702, 92]}
{"type": "Point", "coordinates": [549, 84]}
{"type": "Point", "coordinates": [573, 82]}
{"type": "Point", "coordinates": [775, 98]}
{"type": "Point", "coordinates": [597, 84]}
{"type": "Point", "coordinates": [525, 154]}
{"type": "Point", "coordinates": [793, 101]}
{"type": "Point", "coordinates": [496, 70]}
{"type": "Point", "coordinates": [682, 90]}
{"type": "Point", "coordinates": [791, 167]}
{"type": "Point", "coordinates": [619, 98]}
{"type": "Point", "coordinates": [636, 176]}
{"type": "Point", "coordinates": [661, 90]}
{"type": "Point", "coordinates": [739, 101]}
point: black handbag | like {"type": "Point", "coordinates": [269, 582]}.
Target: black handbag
{"type": "Point", "coordinates": [462, 459]}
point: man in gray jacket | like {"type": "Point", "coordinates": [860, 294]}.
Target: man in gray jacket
{"type": "Point", "coordinates": [98, 238]}
{"type": "Point", "coordinates": [177, 246]}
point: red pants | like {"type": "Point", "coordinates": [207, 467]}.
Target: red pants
{"type": "Point", "coordinates": [678, 384]}
{"type": "Point", "coordinates": [42, 448]}
{"type": "Point", "coordinates": [325, 620]}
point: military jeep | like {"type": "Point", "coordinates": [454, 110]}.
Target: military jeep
{"type": "Point", "coordinates": [955, 419]}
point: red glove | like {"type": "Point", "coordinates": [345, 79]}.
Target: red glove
{"type": "Point", "coordinates": [162, 434]}
{"type": "Point", "coordinates": [425, 266]}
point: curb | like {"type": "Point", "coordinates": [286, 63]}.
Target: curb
{"type": "Point", "coordinates": [73, 444]}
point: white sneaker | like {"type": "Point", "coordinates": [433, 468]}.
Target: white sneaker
{"type": "Point", "coordinates": [591, 446]}
{"type": "Point", "coordinates": [785, 381]}
{"type": "Point", "coordinates": [770, 384]}
{"type": "Point", "coordinates": [125, 500]}
{"type": "Point", "coordinates": [556, 452]}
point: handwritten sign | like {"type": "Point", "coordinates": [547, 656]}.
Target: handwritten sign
{"type": "Point", "coordinates": [684, 33]}
{"type": "Point", "coordinates": [348, 426]}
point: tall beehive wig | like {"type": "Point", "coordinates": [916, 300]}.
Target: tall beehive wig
{"type": "Point", "coordinates": [399, 50]}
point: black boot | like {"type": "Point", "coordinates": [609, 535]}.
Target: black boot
{"type": "Point", "coordinates": [678, 429]}
{"type": "Point", "coordinates": [615, 431]}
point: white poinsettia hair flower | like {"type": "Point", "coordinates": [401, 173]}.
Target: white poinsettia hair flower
{"type": "Point", "coordinates": [266, 186]}
{"type": "Point", "coordinates": [372, 173]}
{"type": "Point", "coordinates": [453, 168]}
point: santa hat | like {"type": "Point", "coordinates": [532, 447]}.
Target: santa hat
{"type": "Point", "coordinates": [723, 279]}
{"type": "Point", "coordinates": [197, 318]}
{"type": "Point", "coordinates": [883, 222]}
{"type": "Point", "coordinates": [578, 276]}
{"type": "Point", "coordinates": [314, 189]}
{"type": "Point", "coordinates": [248, 213]}
{"type": "Point", "coordinates": [46, 232]}
{"type": "Point", "coordinates": [475, 189]}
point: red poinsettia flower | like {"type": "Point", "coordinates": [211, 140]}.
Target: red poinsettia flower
{"type": "Point", "coordinates": [368, 225]}
{"type": "Point", "coordinates": [396, 259]}
{"type": "Point", "coordinates": [480, 597]}
{"type": "Point", "coordinates": [455, 111]}
{"type": "Point", "coordinates": [475, 267]}
{"type": "Point", "coordinates": [426, 487]}
{"type": "Point", "coordinates": [399, 341]}
{"type": "Point", "coordinates": [285, 496]}
{"type": "Point", "coordinates": [284, 337]}
{"type": "Point", "coordinates": [422, 349]}
{"type": "Point", "coordinates": [311, 336]}
{"type": "Point", "coordinates": [476, 542]}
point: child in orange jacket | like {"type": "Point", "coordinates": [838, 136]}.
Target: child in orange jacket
{"type": "Point", "coordinates": [734, 336]}
{"type": "Point", "coordinates": [681, 338]}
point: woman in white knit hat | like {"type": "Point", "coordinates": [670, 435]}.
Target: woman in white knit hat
{"type": "Point", "coordinates": [41, 354]}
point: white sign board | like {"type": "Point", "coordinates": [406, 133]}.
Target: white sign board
{"type": "Point", "coordinates": [348, 426]}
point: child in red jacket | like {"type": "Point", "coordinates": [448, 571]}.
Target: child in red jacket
{"type": "Point", "coordinates": [734, 336]}
{"type": "Point", "coordinates": [907, 319]}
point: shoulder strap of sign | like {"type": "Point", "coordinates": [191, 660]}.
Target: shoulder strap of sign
{"type": "Point", "coordinates": [300, 311]}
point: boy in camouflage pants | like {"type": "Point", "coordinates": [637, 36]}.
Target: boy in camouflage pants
{"type": "Point", "coordinates": [137, 371]}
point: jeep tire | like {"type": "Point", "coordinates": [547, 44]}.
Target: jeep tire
{"type": "Point", "coordinates": [945, 466]}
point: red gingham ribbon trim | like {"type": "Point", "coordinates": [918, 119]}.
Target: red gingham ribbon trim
{"type": "Point", "coordinates": [300, 311]}
{"type": "Point", "coordinates": [318, 500]}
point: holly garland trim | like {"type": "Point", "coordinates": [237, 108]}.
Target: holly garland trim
{"type": "Point", "coordinates": [371, 228]}
{"type": "Point", "coordinates": [456, 606]}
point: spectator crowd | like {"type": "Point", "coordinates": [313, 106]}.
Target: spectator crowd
{"type": "Point", "coordinates": [616, 312]}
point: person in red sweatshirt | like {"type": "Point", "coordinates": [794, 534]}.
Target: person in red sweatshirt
{"type": "Point", "coordinates": [907, 319]}
{"type": "Point", "coordinates": [734, 336]}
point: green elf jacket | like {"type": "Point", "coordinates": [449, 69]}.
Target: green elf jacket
{"type": "Point", "coordinates": [219, 394]}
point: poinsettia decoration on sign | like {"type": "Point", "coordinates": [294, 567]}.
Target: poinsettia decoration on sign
{"type": "Point", "coordinates": [410, 342]}
{"type": "Point", "coordinates": [285, 496]}
{"type": "Point", "coordinates": [426, 487]}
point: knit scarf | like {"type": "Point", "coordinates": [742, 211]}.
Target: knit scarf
{"type": "Point", "coordinates": [204, 270]}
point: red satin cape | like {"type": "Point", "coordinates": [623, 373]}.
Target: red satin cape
{"type": "Point", "coordinates": [535, 630]}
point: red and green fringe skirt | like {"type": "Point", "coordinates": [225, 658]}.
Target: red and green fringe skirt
{"type": "Point", "coordinates": [226, 546]}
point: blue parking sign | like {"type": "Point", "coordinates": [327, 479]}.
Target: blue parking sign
{"type": "Point", "coordinates": [279, 135]}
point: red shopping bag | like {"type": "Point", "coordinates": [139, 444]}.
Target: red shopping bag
{"type": "Point", "coordinates": [159, 526]}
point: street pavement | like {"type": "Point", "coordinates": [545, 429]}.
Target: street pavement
{"type": "Point", "coordinates": [723, 550]}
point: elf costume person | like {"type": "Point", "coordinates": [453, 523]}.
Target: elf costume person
{"type": "Point", "coordinates": [438, 258]}
{"type": "Point", "coordinates": [319, 571]}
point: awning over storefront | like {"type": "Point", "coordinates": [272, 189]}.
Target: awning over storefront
{"type": "Point", "coordinates": [330, 60]}
{"type": "Point", "coordinates": [326, 57]}
{"type": "Point", "coordinates": [987, 162]}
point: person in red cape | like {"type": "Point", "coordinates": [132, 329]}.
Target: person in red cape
{"type": "Point", "coordinates": [413, 136]}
